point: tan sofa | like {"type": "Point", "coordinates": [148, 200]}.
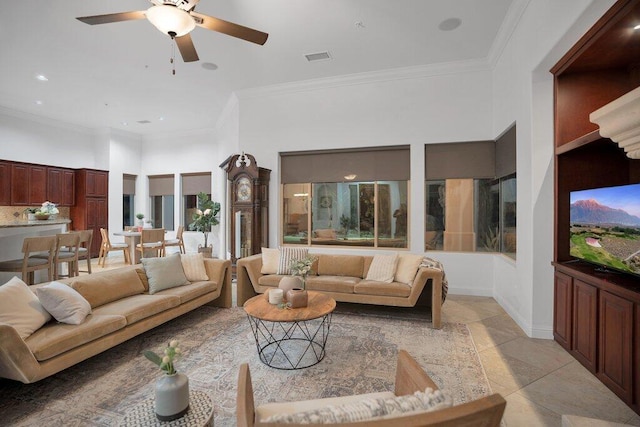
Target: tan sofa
{"type": "Point", "coordinates": [121, 309]}
{"type": "Point", "coordinates": [343, 278]}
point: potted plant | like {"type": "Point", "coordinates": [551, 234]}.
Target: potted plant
{"type": "Point", "coordinates": [47, 210]}
{"type": "Point", "coordinates": [31, 213]}
{"type": "Point", "coordinates": [172, 389]}
{"type": "Point", "coordinates": [140, 217]}
{"type": "Point", "coordinates": [206, 216]}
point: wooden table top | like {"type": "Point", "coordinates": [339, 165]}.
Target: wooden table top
{"type": "Point", "coordinates": [318, 305]}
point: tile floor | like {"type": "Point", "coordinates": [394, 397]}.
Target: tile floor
{"type": "Point", "coordinates": [539, 379]}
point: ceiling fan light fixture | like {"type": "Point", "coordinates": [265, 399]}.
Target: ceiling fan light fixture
{"type": "Point", "coordinates": [170, 19]}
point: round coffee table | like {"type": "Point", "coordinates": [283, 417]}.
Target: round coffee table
{"type": "Point", "coordinates": [291, 338]}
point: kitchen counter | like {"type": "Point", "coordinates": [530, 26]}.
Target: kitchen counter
{"type": "Point", "coordinates": [34, 223]}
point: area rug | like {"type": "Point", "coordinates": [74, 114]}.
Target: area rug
{"type": "Point", "coordinates": [361, 358]}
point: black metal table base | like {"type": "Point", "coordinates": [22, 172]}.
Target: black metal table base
{"type": "Point", "coordinates": [291, 345]}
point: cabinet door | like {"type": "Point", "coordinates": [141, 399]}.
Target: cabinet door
{"type": "Point", "coordinates": [97, 183]}
{"type": "Point", "coordinates": [585, 332]}
{"type": "Point", "coordinates": [616, 335]}
{"type": "Point", "coordinates": [562, 309]}
{"type": "Point", "coordinates": [37, 184]}
{"type": "Point", "coordinates": [5, 183]}
{"type": "Point", "coordinates": [96, 214]}
{"type": "Point", "coordinates": [20, 184]}
{"type": "Point", "coordinates": [68, 188]}
{"type": "Point", "coordinates": [54, 185]}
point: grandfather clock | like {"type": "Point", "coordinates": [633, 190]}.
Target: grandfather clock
{"type": "Point", "coordinates": [249, 205]}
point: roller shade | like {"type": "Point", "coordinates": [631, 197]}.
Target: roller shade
{"type": "Point", "coordinates": [460, 160]}
{"type": "Point", "coordinates": [506, 153]}
{"type": "Point", "coordinates": [128, 184]}
{"type": "Point", "coordinates": [371, 164]}
{"type": "Point", "coordinates": [196, 183]}
{"type": "Point", "coordinates": [161, 185]}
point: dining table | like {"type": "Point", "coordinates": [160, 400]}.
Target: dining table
{"type": "Point", "coordinates": [131, 238]}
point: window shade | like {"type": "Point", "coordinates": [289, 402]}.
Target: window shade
{"type": "Point", "coordinates": [506, 153]}
{"type": "Point", "coordinates": [128, 184]}
{"type": "Point", "coordinates": [161, 185]}
{"type": "Point", "coordinates": [460, 160]}
{"type": "Point", "coordinates": [371, 164]}
{"type": "Point", "coordinates": [196, 183]}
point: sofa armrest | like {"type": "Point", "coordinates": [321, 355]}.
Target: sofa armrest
{"type": "Point", "coordinates": [410, 377]}
{"type": "Point", "coordinates": [421, 280]}
{"type": "Point", "coordinates": [219, 272]}
{"type": "Point", "coordinates": [248, 273]}
{"type": "Point", "coordinates": [245, 412]}
{"type": "Point", "coordinates": [16, 360]}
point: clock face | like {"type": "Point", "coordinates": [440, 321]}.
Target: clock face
{"type": "Point", "coordinates": [243, 190]}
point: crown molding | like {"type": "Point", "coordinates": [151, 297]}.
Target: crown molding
{"type": "Point", "coordinates": [416, 72]}
{"type": "Point", "coordinates": [46, 121]}
{"type": "Point", "coordinates": [506, 30]}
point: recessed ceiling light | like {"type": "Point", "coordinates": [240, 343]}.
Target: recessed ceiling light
{"type": "Point", "coordinates": [320, 56]}
{"type": "Point", "coordinates": [42, 77]}
{"type": "Point", "coordinates": [450, 24]}
{"type": "Point", "coordinates": [209, 66]}
{"type": "Point", "coordinates": [125, 123]}
{"type": "Point", "coordinates": [38, 102]}
{"type": "Point", "coordinates": [161, 118]}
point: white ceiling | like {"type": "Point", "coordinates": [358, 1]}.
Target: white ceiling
{"type": "Point", "coordinates": [105, 75]}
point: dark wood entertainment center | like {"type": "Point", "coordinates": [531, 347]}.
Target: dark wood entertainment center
{"type": "Point", "coordinates": [596, 314]}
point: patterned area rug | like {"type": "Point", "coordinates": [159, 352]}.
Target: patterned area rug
{"type": "Point", "coordinates": [361, 358]}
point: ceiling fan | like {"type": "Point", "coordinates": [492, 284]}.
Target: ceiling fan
{"type": "Point", "coordinates": [177, 19]}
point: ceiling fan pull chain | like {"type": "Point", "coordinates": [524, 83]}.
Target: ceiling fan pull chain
{"type": "Point", "coordinates": [173, 56]}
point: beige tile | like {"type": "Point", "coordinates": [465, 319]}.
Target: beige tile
{"type": "Point", "coordinates": [509, 373]}
{"type": "Point", "coordinates": [494, 331]}
{"type": "Point", "coordinates": [454, 311]}
{"type": "Point", "coordinates": [523, 412]}
{"type": "Point", "coordinates": [574, 390]}
{"type": "Point", "coordinates": [546, 355]}
{"type": "Point", "coordinates": [634, 420]}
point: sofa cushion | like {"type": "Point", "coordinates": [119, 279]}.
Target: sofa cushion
{"type": "Point", "coordinates": [193, 266]}
{"type": "Point", "coordinates": [393, 289]}
{"type": "Point", "coordinates": [20, 308]}
{"type": "Point", "coordinates": [138, 307]}
{"type": "Point", "coordinates": [100, 289]}
{"type": "Point", "coordinates": [344, 284]}
{"type": "Point", "coordinates": [340, 265]}
{"type": "Point", "coordinates": [407, 268]}
{"type": "Point", "coordinates": [64, 303]}
{"type": "Point", "coordinates": [383, 267]}
{"type": "Point", "coordinates": [164, 272]}
{"type": "Point", "coordinates": [367, 409]}
{"type": "Point", "coordinates": [190, 292]}
{"type": "Point", "coordinates": [290, 254]}
{"type": "Point", "coordinates": [271, 280]}
{"type": "Point", "coordinates": [56, 338]}
{"type": "Point", "coordinates": [270, 260]}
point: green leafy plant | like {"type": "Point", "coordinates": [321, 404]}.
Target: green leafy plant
{"type": "Point", "coordinates": [166, 362]}
{"type": "Point", "coordinates": [206, 216]}
{"type": "Point", "coordinates": [48, 208]}
{"type": "Point", "coordinates": [140, 215]}
{"type": "Point", "coordinates": [302, 267]}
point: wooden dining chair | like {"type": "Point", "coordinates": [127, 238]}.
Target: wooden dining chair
{"type": "Point", "coordinates": [30, 262]}
{"type": "Point", "coordinates": [107, 247]}
{"type": "Point", "coordinates": [151, 242]}
{"type": "Point", "coordinates": [67, 245]}
{"type": "Point", "coordinates": [84, 250]}
{"type": "Point", "coordinates": [178, 241]}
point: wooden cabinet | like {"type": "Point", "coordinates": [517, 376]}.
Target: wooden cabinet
{"type": "Point", "coordinates": [91, 211]}
{"type": "Point", "coordinates": [585, 316]}
{"type": "Point", "coordinates": [5, 183]}
{"type": "Point", "coordinates": [28, 184]}
{"type": "Point", "coordinates": [616, 343]}
{"type": "Point", "coordinates": [61, 186]}
{"type": "Point", "coordinates": [563, 311]}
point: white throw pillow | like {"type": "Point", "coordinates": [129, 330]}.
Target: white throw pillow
{"type": "Point", "coordinates": [270, 260]}
{"type": "Point", "coordinates": [383, 268]}
{"type": "Point", "coordinates": [20, 308]}
{"type": "Point", "coordinates": [407, 268]}
{"type": "Point", "coordinates": [64, 303]}
{"type": "Point", "coordinates": [289, 254]}
{"type": "Point", "coordinates": [193, 265]}
{"type": "Point", "coordinates": [164, 273]}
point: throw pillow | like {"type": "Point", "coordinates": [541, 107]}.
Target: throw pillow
{"type": "Point", "coordinates": [164, 273]}
{"type": "Point", "coordinates": [64, 303]}
{"type": "Point", "coordinates": [289, 254]}
{"type": "Point", "coordinates": [108, 286]}
{"type": "Point", "coordinates": [407, 267]}
{"type": "Point", "coordinates": [193, 265]}
{"type": "Point", "coordinates": [270, 260]}
{"type": "Point", "coordinates": [383, 268]}
{"type": "Point", "coordinates": [367, 409]}
{"type": "Point", "coordinates": [20, 308]}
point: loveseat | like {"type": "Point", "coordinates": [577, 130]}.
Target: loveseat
{"type": "Point", "coordinates": [122, 306]}
{"type": "Point", "coordinates": [347, 278]}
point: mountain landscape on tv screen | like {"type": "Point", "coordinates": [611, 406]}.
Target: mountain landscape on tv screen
{"type": "Point", "coordinates": [605, 236]}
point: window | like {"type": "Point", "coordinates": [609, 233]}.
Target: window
{"type": "Point", "coordinates": [333, 208]}
{"type": "Point", "coordinates": [192, 184]}
{"type": "Point", "coordinates": [161, 201]}
{"type": "Point", "coordinates": [471, 196]}
{"type": "Point", "coordinates": [128, 193]}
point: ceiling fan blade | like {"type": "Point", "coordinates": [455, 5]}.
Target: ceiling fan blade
{"type": "Point", "coordinates": [112, 17]}
{"type": "Point", "coordinates": [230, 29]}
{"type": "Point", "coordinates": [187, 49]}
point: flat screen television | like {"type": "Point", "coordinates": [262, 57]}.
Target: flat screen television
{"type": "Point", "coordinates": [605, 227]}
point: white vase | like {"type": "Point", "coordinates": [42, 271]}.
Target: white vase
{"type": "Point", "coordinates": [289, 282]}
{"type": "Point", "coordinates": [172, 396]}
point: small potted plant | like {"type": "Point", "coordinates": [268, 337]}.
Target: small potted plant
{"type": "Point", "coordinates": [140, 217]}
{"type": "Point", "coordinates": [171, 389]}
{"type": "Point", "coordinates": [47, 210]}
{"type": "Point", "coordinates": [206, 216]}
{"type": "Point", "coordinates": [31, 213]}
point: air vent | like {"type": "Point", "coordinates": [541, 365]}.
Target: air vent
{"type": "Point", "coordinates": [320, 56]}
{"type": "Point", "coordinates": [143, 122]}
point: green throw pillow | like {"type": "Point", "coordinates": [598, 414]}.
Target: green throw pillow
{"type": "Point", "coordinates": [164, 273]}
